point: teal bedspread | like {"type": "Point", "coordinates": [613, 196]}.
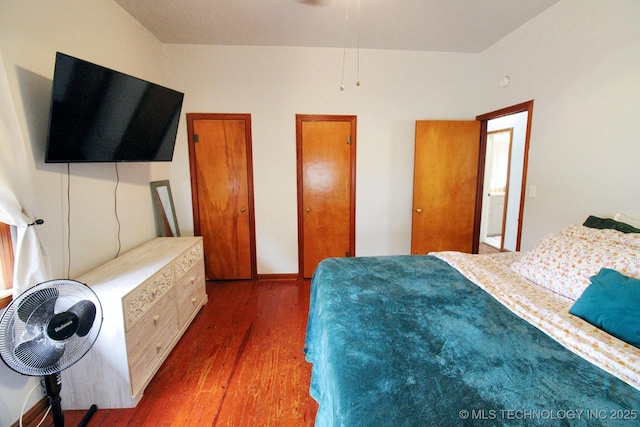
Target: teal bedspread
{"type": "Point", "coordinates": [409, 341]}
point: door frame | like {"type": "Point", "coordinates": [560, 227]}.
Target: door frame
{"type": "Point", "coordinates": [484, 119]}
{"type": "Point", "coordinates": [195, 203]}
{"type": "Point", "coordinates": [352, 196]}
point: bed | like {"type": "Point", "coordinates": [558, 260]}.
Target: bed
{"type": "Point", "coordinates": [504, 339]}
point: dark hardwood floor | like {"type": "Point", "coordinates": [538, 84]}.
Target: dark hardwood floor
{"type": "Point", "coordinates": [240, 363]}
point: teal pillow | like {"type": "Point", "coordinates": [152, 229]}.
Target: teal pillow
{"type": "Point", "coordinates": [609, 223]}
{"type": "Point", "coordinates": [612, 303]}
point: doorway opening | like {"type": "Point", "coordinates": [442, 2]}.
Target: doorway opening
{"type": "Point", "coordinates": [495, 209]}
{"type": "Point", "coordinates": [496, 186]}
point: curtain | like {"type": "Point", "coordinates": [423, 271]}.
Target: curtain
{"type": "Point", "coordinates": [31, 261]}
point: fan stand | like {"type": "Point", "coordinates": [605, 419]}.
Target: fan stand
{"type": "Point", "coordinates": [52, 386]}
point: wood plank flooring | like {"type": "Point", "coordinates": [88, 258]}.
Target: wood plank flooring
{"type": "Point", "coordinates": [487, 249]}
{"type": "Point", "coordinates": [240, 363]}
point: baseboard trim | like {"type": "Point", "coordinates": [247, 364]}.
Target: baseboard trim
{"type": "Point", "coordinates": [278, 277]}
{"type": "Point", "coordinates": [33, 416]}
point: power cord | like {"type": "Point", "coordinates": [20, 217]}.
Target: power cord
{"type": "Point", "coordinates": [68, 220]}
{"type": "Point", "coordinates": [115, 206]}
{"type": "Point", "coordinates": [24, 405]}
{"type": "Point", "coordinates": [118, 226]}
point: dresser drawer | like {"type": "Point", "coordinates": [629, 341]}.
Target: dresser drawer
{"type": "Point", "coordinates": [190, 291]}
{"type": "Point", "coordinates": [188, 260]}
{"type": "Point", "coordinates": [146, 362]}
{"type": "Point", "coordinates": [161, 317]}
{"type": "Point", "coordinates": [141, 299]}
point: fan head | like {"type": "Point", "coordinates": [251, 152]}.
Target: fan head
{"type": "Point", "coordinates": [49, 327]}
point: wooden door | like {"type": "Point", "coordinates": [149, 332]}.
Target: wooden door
{"type": "Point", "coordinates": [326, 189]}
{"type": "Point", "coordinates": [222, 192]}
{"type": "Point", "coordinates": [445, 186]}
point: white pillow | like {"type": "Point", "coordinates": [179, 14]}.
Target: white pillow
{"type": "Point", "coordinates": [627, 220]}
{"type": "Point", "coordinates": [564, 262]}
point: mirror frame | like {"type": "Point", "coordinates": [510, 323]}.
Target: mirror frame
{"type": "Point", "coordinates": [164, 214]}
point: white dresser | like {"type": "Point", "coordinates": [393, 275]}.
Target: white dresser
{"type": "Point", "coordinates": [149, 297]}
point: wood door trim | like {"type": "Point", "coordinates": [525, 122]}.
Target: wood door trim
{"type": "Point", "coordinates": [484, 119]}
{"type": "Point", "coordinates": [191, 117]}
{"type": "Point", "coordinates": [352, 223]}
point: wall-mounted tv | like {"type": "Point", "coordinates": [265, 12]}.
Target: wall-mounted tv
{"type": "Point", "coordinates": [102, 115]}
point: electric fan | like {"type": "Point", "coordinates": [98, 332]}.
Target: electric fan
{"type": "Point", "coordinates": [48, 328]}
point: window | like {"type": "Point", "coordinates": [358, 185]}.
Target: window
{"type": "Point", "coordinates": [6, 265]}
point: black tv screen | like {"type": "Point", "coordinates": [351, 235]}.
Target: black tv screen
{"type": "Point", "coordinates": [101, 115]}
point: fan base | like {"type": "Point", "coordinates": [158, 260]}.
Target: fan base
{"type": "Point", "coordinates": [52, 386]}
{"type": "Point", "coordinates": [85, 420]}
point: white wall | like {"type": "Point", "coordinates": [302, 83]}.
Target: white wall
{"type": "Point", "coordinates": [580, 62]}
{"type": "Point", "coordinates": [275, 84]}
{"type": "Point", "coordinates": [99, 31]}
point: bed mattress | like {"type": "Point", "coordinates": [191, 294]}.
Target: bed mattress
{"type": "Point", "coordinates": [410, 340]}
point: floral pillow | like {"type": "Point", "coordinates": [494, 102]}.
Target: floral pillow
{"type": "Point", "coordinates": [564, 262]}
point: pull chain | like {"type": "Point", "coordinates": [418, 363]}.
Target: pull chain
{"type": "Point", "coordinates": [358, 51]}
{"type": "Point", "coordinates": [344, 50]}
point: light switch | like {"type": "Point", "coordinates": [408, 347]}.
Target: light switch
{"type": "Point", "coordinates": [532, 191]}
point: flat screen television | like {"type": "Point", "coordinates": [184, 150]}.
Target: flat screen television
{"type": "Point", "coordinates": [102, 115]}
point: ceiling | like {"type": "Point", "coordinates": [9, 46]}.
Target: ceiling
{"type": "Point", "coordinates": [430, 25]}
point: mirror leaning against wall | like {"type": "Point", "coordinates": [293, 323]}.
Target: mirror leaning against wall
{"type": "Point", "coordinates": [164, 211]}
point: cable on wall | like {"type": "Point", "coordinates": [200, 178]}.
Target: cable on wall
{"type": "Point", "coordinates": [68, 220]}
{"type": "Point", "coordinates": [118, 226]}
{"type": "Point", "coordinates": [115, 207]}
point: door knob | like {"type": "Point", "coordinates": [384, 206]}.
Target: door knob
{"type": "Point", "coordinates": [419, 210]}
{"type": "Point", "coordinates": [243, 209]}
{"type": "Point", "coordinates": [308, 209]}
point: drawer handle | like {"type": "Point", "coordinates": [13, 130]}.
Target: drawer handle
{"type": "Point", "coordinates": [193, 280]}
{"type": "Point", "coordinates": [156, 318]}
{"type": "Point", "coordinates": [193, 300]}
{"type": "Point", "coordinates": [158, 347]}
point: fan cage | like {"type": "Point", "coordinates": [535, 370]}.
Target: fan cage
{"type": "Point", "coordinates": [15, 331]}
